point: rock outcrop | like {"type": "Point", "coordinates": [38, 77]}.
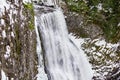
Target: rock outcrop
{"type": "Point", "coordinates": [18, 58]}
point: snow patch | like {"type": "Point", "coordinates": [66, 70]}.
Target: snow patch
{"type": "Point", "coordinates": [77, 41]}
{"type": "Point", "coordinates": [8, 50]}
{"type": "Point", "coordinates": [3, 75]}
{"type": "Point", "coordinates": [3, 4]}
{"type": "Point", "coordinates": [41, 74]}
{"type": "Point", "coordinates": [3, 34]}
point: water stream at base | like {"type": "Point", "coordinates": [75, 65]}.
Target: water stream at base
{"type": "Point", "coordinates": [62, 59]}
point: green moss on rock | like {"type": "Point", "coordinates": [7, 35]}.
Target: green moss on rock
{"type": "Point", "coordinates": [30, 9]}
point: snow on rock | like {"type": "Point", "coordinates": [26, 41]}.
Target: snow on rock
{"type": "Point", "coordinates": [3, 75]}
{"type": "Point", "coordinates": [25, 1]}
{"type": "Point", "coordinates": [77, 41]}
{"type": "Point", "coordinates": [3, 4]}
{"type": "Point", "coordinates": [8, 50]}
{"type": "Point", "coordinates": [3, 34]}
{"type": "Point", "coordinates": [41, 75]}
{"type": "Point", "coordinates": [102, 56]}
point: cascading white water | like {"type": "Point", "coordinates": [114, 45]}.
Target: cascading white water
{"type": "Point", "coordinates": [50, 2]}
{"type": "Point", "coordinates": [63, 60]}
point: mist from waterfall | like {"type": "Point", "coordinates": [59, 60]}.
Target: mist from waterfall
{"type": "Point", "coordinates": [63, 60]}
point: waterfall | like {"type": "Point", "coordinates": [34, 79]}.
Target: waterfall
{"type": "Point", "coordinates": [50, 2]}
{"type": "Point", "coordinates": [62, 59]}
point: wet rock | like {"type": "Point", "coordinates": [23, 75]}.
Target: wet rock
{"type": "Point", "coordinates": [76, 24]}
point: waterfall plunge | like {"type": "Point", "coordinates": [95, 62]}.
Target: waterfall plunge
{"type": "Point", "coordinates": [63, 60]}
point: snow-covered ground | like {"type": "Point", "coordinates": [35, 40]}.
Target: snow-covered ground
{"type": "Point", "coordinates": [100, 51]}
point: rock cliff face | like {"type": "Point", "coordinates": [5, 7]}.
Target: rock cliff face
{"type": "Point", "coordinates": [77, 25]}
{"type": "Point", "coordinates": [18, 58]}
